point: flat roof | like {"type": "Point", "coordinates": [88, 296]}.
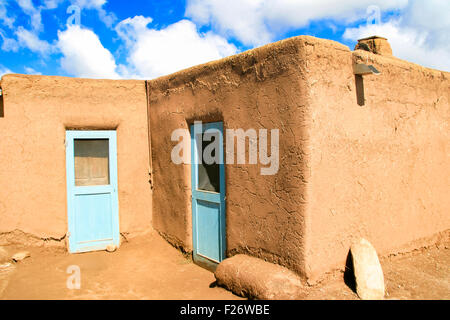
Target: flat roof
{"type": "Point", "coordinates": [373, 37]}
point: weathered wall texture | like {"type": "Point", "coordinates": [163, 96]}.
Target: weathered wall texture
{"type": "Point", "coordinates": [37, 112]}
{"type": "Point", "coordinates": [380, 171]}
{"type": "Point", "coordinates": [260, 89]}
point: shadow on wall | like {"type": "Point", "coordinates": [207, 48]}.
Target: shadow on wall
{"type": "Point", "coordinates": [2, 111]}
{"type": "Point", "coordinates": [360, 90]}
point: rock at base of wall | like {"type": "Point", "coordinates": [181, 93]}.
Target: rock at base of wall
{"type": "Point", "coordinates": [21, 256]}
{"type": "Point", "coordinates": [111, 248]}
{"type": "Point", "coordinates": [256, 279]}
{"type": "Point", "coordinates": [368, 272]}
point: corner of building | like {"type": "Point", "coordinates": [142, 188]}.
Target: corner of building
{"type": "Point", "coordinates": [378, 150]}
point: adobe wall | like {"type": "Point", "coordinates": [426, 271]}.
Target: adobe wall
{"type": "Point", "coordinates": [380, 171]}
{"type": "Point", "coordinates": [37, 112]}
{"type": "Point", "coordinates": [259, 89]}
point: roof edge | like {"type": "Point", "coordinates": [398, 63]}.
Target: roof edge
{"type": "Point", "coordinates": [256, 52]}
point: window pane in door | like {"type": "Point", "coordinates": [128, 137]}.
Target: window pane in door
{"type": "Point", "coordinates": [208, 174]}
{"type": "Point", "coordinates": [91, 162]}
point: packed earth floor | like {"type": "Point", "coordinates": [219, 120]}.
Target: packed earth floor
{"type": "Point", "coordinates": [149, 268]}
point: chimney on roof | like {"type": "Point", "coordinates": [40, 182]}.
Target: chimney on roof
{"type": "Point", "coordinates": [375, 44]}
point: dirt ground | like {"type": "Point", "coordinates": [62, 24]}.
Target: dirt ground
{"type": "Point", "coordinates": [149, 268]}
{"type": "Point", "coordinates": [423, 274]}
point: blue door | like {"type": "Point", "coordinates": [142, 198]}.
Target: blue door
{"type": "Point", "coordinates": [93, 214]}
{"type": "Point", "coordinates": [208, 194]}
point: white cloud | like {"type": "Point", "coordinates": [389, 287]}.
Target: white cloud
{"type": "Point", "coordinates": [130, 29]}
{"type": "Point", "coordinates": [8, 44]}
{"type": "Point", "coordinates": [421, 35]}
{"type": "Point", "coordinates": [30, 38]}
{"type": "Point", "coordinates": [4, 17]}
{"type": "Point", "coordinates": [31, 41]}
{"type": "Point", "coordinates": [29, 70]}
{"type": "Point", "coordinates": [153, 53]}
{"type": "Point", "coordinates": [244, 20]}
{"type": "Point", "coordinates": [4, 70]}
{"type": "Point", "coordinates": [52, 4]}
{"type": "Point", "coordinates": [34, 13]}
{"type": "Point", "coordinates": [84, 55]}
{"type": "Point", "coordinates": [432, 16]}
{"type": "Point", "coordinates": [90, 4]}
{"type": "Point", "coordinates": [256, 22]}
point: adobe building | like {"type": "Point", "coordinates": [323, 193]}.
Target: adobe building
{"type": "Point", "coordinates": [38, 113]}
{"type": "Point", "coordinates": [364, 146]}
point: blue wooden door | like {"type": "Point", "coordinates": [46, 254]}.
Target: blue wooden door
{"type": "Point", "coordinates": [208, 194]}
{"type": "Point", "coordinates": [93, 213]}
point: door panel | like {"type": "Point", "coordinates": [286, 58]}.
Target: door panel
{"type": "Point", "coordinates": [93, 220]}
{"type": "Point", "coordinates": [92, 198]}
{"type": "Point", "coordinates": [208, 230]}
{"type": "Point", "coordinates": [208, 194]}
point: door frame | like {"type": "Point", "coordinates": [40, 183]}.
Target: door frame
{"type": "Point", "coordinates": [208, 196]}
{"type": "Point", "coordinates": [111, 136]}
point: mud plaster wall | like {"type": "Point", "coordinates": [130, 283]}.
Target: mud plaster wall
{"type": "Point", "coordinates": [380, 170]}
{"type": "Point", "coordinates": [37, 111]}
{"type": "Point", "coordinates": [259, 89]}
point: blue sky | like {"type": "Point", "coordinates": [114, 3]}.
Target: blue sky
{"type": "Point", "coordinates": [146, 39]}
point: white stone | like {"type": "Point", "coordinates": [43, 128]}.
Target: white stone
{"type": "Point", "coordinates": [111, 248]}
{"type": "Point", "coordinates": [5, 265]}
{"type": "Point", "coordinates": [21, 256]}
{"type": "Point", "coordinates": [368, 272]}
